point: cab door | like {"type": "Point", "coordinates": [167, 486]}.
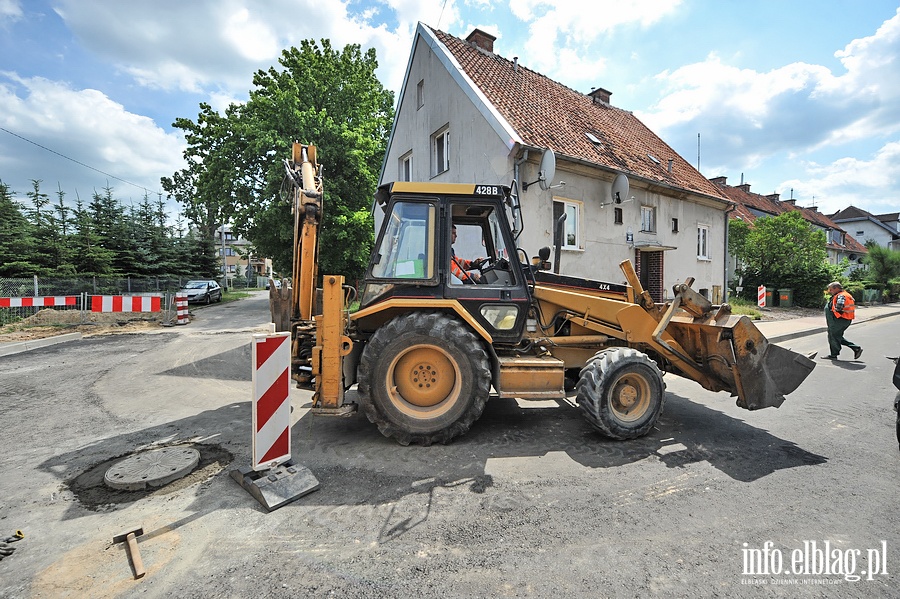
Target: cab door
{"type": "Point", "coordinates": [499, 300]}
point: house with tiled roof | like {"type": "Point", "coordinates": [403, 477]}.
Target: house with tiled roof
{"type": "Point", "coordinates": [883, 229]}
{"type": "Point", "coordinates": [750, 206]}
{"type": "Point", "coordinates": [468, 114]}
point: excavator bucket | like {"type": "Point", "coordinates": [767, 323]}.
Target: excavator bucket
{"type": "Point", "coordinates": [764, 372]}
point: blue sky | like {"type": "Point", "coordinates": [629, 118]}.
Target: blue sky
{"type": "Point", "coordinates": [797, 97]}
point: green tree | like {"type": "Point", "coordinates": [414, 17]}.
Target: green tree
{"type": "Point", "coordinates": [113, 231]}
{"type": "Point", "coordinates": [89, 255]}
{"type": "Point", "coordinates": [318, 95]}
{"type": "Point", "coordinates": [882, 264]}
{"type": "Point", "coordinates": [16, 237]}
{"type": "Point", "coordinates": [782, 251]}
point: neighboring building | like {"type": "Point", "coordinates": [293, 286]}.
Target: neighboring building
{"type": "Point", "coordinates": [466, 114]}
{"type": "Point", "coordinates": [882, 229]}
{"type": "Point", "coordinates": [236, 256]}
{"type": "Point", "coordinates": [750, 206]}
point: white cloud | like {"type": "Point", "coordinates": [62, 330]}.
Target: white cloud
{"type": "Point", "coordinates": [569, 19]}
{"type": "Point", "coordinates": [849, 181]}
{"type": "Point", "coordinates": [218, 44]}
{"type": "Point", "coordinates": [746, 116]}
{"type": "Point", "coordinates": [10, 10]}
{"type": "Point", "coordinates": [87, 126]}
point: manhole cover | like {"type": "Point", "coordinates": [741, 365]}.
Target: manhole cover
{"type": "Point", "coordinates": [154, 468]}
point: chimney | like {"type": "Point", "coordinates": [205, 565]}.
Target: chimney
{"type": "Point", "coordinates": [482, 40]}
{"type": "Point", "coordinates": [774, 197]}
{"type": "Point", "coordinates": [792, 202]}
{"type": "Point", "coordinates": [745, 187]}
{"type": "Point", "coordinates": [720, 181]}
{"type": "Point", "coordinates": [601, 95]}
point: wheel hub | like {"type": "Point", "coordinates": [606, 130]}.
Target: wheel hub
{"type": "Point", "coordinates": [630, 397]}
{"type": "Point", "coordinates": [424, 376]}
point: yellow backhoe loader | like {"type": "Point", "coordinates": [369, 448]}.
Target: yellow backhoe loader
{"type": "Point", "coordinates": [426, 349]}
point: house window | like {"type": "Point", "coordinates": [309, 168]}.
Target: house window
{"type": "Point", "coordinates": [703, 242]}
{"type": "Point", "coordinates": [674, 225]}
{"type": "Point", "coordinates": [571, 239]}
{"type": "Point", "coordinates": [440, 151]}
{"type": "Point", "coordinates": [406, 167]}
{"type": "Point", "coordinates": [420, 94]}
{"type": "Point", "coordinates": [617, 216]}
{"type": "Point", "coordinates": [228, 252]}
{"type": "Point", "coordinates": [648, 219]}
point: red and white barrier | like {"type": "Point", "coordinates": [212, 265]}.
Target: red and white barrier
{"type": "Point", "coordinates": [761, 296]}
{"type": "Point", "coordinates": [126, 303]}
{"type": "Point", "coordinates": [271, 400]}
{"type": "Point", "coordinates": [181, 308]}
{"type": "Point", "coordinates": [38, 302]}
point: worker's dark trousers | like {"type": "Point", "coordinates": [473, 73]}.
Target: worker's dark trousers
{"type": "Point", "coordinates": [836, 328]}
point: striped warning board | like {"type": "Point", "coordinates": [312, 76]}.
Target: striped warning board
{"type": "Point", "coordinates": [271, 400]}
{"type": "Point", "coordinates": [126, 303]}
{"type": "Point", "coordinates": [761, 296]}
{"type": "Point", "coordinates": [40, 302]}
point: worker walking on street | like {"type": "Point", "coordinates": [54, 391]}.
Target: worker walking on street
{"type": "Point", "coordinates": [839, 313]}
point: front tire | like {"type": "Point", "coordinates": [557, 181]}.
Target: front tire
{"type": "Point", "coordinates": [423, 378]}
{"type": "Point", "coordinates": [621, 393]}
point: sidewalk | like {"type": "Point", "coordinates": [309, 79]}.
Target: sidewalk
{"type": "Point", "coordinates": [778, 331]}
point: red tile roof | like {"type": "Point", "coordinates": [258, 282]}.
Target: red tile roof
{"type": "Point", "coordinates": [547, 114]}
{"type": "Point", "coordinates": [745, 200]}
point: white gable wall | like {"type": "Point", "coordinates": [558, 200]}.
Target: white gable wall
{"type": "Point", "coordinates": [480, 151]}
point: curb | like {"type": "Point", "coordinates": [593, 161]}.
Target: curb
{"type": "Point", "coordinates": [23, 346]}
{"type": "Point", "coordinates": [821, 329]}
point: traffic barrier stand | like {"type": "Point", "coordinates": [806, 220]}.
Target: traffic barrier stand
{"type": "Point", "coordinates": [182, 314]}
{"type": "Point", "coordinates": [273, 478]}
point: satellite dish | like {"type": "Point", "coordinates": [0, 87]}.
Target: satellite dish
{"type": "Point", "coordinates": [548, 169]}
{"type": "Point", "coordinates": [619, 191]}
{"type": "Point", "coordinates": [546, 173]}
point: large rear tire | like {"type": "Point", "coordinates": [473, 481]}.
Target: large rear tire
{"type": "Point", "coordinates": [423, 378]}
{"type": "Point", "coordinates": [621, 393]}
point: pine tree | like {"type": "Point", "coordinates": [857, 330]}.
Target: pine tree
{"type": "Point", "coordinates": [16, 240]}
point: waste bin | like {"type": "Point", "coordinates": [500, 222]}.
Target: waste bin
{"type": "Point", "coordinates": [786, 298]}
{"type": "Point", "coordinates": [770, 297]}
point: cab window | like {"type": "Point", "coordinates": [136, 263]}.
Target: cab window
{"type": "Point", "coordinates": [479, 238]}
{"type": "Point", "coordinates": [406, 250]}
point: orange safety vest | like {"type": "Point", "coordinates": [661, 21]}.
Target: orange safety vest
{"type": "Point", "coordinates": [849, 310]}
{"type": "Point", "coordinates": [458, 267]}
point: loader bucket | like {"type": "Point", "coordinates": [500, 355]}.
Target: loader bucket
{"type": "Point", "coordinates": [764, 372]}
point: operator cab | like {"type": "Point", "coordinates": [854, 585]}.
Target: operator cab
{"type": "Point", "coordinates": [417, 255]}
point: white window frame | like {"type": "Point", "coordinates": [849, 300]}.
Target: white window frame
{"type": "Point", "coordinates": [703, 242]}
{"type": "Point", "coordinates": [569, 207]}
{"type": "Point", "coordinates": [440, 151]}
{"type": "Point", "coordinates": [648, 219]}
{"type": "Point", "coordinates": [405, 168]}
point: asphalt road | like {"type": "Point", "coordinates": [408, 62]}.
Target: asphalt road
{"type": "Point", "coordinates": [531, 503]}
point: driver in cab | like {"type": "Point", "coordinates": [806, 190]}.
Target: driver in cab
{"type": "Point", "coordinates": [464, 270]}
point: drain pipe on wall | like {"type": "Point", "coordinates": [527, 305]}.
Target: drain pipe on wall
{"type": "Point", "coordinates": [728, 210]}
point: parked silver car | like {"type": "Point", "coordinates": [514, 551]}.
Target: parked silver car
{"type": "Point", "coordinates": [202, 292]}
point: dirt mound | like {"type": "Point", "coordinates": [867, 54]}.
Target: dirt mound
{"type": "Point", "coordinates": [49, 322]}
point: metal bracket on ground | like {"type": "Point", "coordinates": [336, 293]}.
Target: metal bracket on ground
{"type": "Point", "coordinates": [277, 486]}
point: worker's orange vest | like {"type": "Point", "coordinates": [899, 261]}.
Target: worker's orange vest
{"type": "Point", "coordinates": [849, 306]}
